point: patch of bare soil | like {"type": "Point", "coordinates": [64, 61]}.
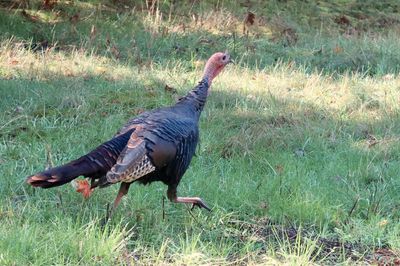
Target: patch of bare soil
{"type": "Point", "coordinates": [328, 250]}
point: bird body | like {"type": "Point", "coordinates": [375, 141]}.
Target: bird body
{"type": "Point", "coordinates": [157, 145]}
{"type": "Point", "coordinates": [162, 144]}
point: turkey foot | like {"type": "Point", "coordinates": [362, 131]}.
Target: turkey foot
{"type": "Point", "coordinates": [83, 187]}
{"type": "Point", "coordinates": [195, 201]}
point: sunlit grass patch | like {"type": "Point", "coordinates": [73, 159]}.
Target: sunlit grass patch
{"type": "Point", "coordinates": [22, 63]}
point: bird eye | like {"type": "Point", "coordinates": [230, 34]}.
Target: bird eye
{"type": "Point", "coordinates": [224, 57]}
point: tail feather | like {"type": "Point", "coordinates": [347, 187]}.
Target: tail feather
{"type": "Point", "coordinates": [60, 175]}
{"type": "Point", "coordinates": [95, 164]}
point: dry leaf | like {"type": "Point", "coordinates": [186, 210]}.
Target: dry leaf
{"type": "Point", "coordinates": [251, 97]}
{"type": "Point", "coordinates": [343, 20]}
{"type": "Point", "coordinates": [248, 21]}
{"type": "Point", "coordinates": [93, 32]}
{"type": "Point", "coordinates": [338, 49]}
{"type": "Point", "coordinates": [250, 18]}
{"type": "Point", "coordinates": [383, 223]}
{"type": "Point", "coordinates": [198, 63]}
{"type": "Point", "coordinates": [74, 19]}
{"type": "Point", "coordinates": [151, 93]}
{"type": "Point", "coordinates": [279, 169]}
{"type": "Point", "coordinates": [139, 111]}
{"type": "Point", "coordinates": [205, 41]}
{"type": "Point", "coordinates": [49, 4]}
{"type": "Point", "coordinates": [29, 17]}
{"type": "Point", "coordinates": [100, 70]}
{"type": "Point", "coordinates": [170, 89]}
{"type": "Point", "coordinates": [68, 72]}
{"type": "Point", "coordinates": [263, 205]}
{"type": "Point", "coordinates": [116, 53]}
{"type": "Point", "coordinates": [290, 35]}
{"type": "Point", "coordinates": [388, 77]}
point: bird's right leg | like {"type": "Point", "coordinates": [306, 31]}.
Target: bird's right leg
{"type": "Point", "coordinates": [195, 201]}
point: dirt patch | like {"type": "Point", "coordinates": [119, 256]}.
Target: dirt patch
{"type": "Point", "coordinates": [327, 250]}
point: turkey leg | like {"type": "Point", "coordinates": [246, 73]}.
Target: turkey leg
{"type": "Point", "coordinates": [195, 201]}
{"type": "Point", "coordinates": [123, 190]}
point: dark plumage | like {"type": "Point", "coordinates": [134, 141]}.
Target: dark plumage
{"type": "Point", "coordinates": [157, 145]}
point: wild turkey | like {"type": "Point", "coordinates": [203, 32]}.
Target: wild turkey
{"type": "Point", "coordinates": [157, 145]}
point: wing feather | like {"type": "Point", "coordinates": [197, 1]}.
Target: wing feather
{"type": "Point", "coordinates": [132, 163]}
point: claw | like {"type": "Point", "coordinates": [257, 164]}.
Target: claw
{"type": "Point", "coordinates": [201, 204]}
{"type": "Point", "coordinates": [195, 201]}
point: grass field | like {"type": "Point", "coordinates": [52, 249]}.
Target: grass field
{"type": "Point", "coordinates": [299, 154]}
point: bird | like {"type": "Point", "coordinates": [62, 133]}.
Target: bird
{"type": "Point", "coordinates": [156, 145]}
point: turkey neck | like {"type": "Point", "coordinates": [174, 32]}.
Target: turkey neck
{"type": "Point", "coordinates": [195, 100]}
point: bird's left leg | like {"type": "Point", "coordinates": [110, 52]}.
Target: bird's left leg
{"type": "Point", "coordinates": [123, 190]}
{"type": "Point", "coordinates": [195, 201]}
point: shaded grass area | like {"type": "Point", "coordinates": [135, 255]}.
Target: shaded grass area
{"type": "Point", "coordinates": [299, 151]}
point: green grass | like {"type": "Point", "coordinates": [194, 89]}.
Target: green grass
{"type": "Point", "coordinates": [299, 146]}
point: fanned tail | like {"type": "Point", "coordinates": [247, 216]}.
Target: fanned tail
{"type": "Point", "coordinates": [95, 164]}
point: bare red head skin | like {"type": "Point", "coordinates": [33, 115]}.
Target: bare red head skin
{"type": "Point", "coordinates": [214, 65]}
